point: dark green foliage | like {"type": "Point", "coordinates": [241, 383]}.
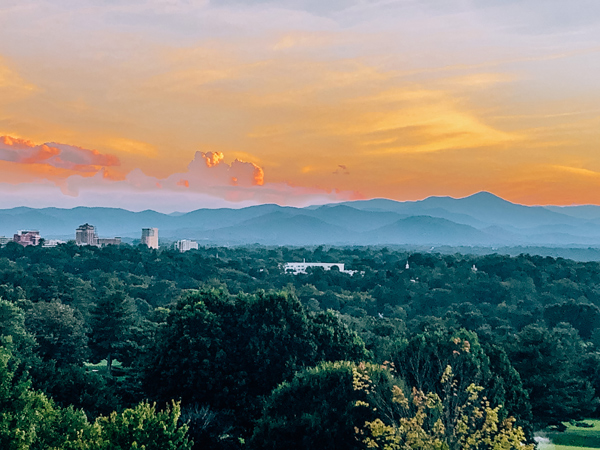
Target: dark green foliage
{"type": "Point", "coordinates": [74, 385]}
{"type": "Point", "coordinates": [31, 421]}
{"type": "Point", "coordinates": [226, 352]}
{"type": "Point", "coordinates": [316, 409]}
{"type": "Point", "coordinates": [28, 419]}
{"type": "Point", "coordinates": [210, 429]}
{"type": "Point", "coordinates": [335, 342]}
{"type": "Point", "coordinates": [505, 387]}
{"type": "Point", "coordinates": [550, 363]}
{"type": "Point", "coordinates": [111, 321]}
{"type": "Point", "coordinates": [59, 331]}
{"type": "Point", "coordinates": [584, 317]}
{"type": "Point", "coordinates": [230, 352]}
{"type": "Point", "coordinates": [17, 339]}
{"type": "Point", "coordinates": [421, 361]}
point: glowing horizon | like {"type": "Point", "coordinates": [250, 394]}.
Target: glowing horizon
{"type": "Point", "coordinates": [186, 104]}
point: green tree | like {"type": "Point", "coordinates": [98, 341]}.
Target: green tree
{"type": "Point", "coordinates": [422, 360]}
{"type": "Point", "coordinates": [230, 352]}
{"type": "Point", "coordinates": [111, 320]}
{"type": "Point", "coordinates": [318, 408]}
{"type": "Point", "coordinates": [335, 341]}
{"type": "Point", "coordinates": [28, 419]}
{"type": "Point", "coordinates": [550, 364]}
{"type": "Point", "coordinates": [59, 331]}
{"type": "Point", "coordinates": [505, 387]}
{"type": "Point", "coordinates": [15, 337]}
{"type": "Point", "coordinates": [584, 317]}
{"type": "Point", "coordinates": [17, 408]}
{"type": "Point", "coordinates": [141, 427]}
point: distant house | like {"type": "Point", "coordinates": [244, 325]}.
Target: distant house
{"type": "Point", "coordinates": [4, 240]}
{"type": "Point", "coordinates": [26, 238]}
{"type": "Point", "coordinates": [296, 268]}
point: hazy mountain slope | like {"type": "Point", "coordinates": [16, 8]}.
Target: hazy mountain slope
{"type": "Point", "coordinates": [483, 207]}
{"type": "Point", "coordinates": [589, 212]}
{"type": "Point", "coordinates": [217, 218]}
{"type": "Point", "coordinates": [479, 220]}
{"type": "Point", "coordinates": [352, 218]}
{"type": "Point", "coordinates": [430, 230]}
{"type": "Point", "coordinates": [280, 229]}
{"type": "Point", "coordinates": [29, 220]}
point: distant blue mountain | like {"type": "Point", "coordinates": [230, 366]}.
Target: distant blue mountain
{"type": "Point", "coordinates": [482, 208]}
{"type": "Point", "coordinates": [481, 219]}
{"type": "Point", "coordinates": [421, 230]}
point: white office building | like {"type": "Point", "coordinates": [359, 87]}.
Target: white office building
{"type": "Point", "coordinates": [300, 267]}
{"type": "Point", "coordinates": [185, 244]}
{"type": "Point", "coordinates": [51, 243]}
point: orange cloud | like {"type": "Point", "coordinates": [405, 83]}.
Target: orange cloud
{"type": "Point", "coordinates": [53, 155]}
{"type": "Point", "coordinates": [25, 152]}
{"type": "Point", "coordinates": [240, 182]}
{"type": "Point", "coordinates": [212, 158]}
{"type": "Point", "coordinates": [209, 169]}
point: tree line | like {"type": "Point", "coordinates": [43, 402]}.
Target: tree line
{"type": "Point", "coordinates": [229, 351]}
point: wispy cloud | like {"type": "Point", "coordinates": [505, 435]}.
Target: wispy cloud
{"type": "Point", "coordinates": [12, 86]}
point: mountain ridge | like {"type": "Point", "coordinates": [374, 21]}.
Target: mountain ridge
{"type": "Point", "coordinates": [482, 219]}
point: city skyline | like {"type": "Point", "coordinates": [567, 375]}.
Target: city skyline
{"type": "Point", "coordinates": [177, 105]}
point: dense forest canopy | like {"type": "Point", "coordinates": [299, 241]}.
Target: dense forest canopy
{"type": "Point", "coordinates": [254, 357]}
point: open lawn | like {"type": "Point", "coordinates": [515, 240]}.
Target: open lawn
{"type": "Point", "coordinates": [561, 447]}
{"type": "Point", "coordinates": [117, 368]}
{"type": "Point", "coordinates": [574, 438]}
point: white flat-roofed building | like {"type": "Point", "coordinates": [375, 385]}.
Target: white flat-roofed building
{"type": "Point", "coordinates": [300, 267]}
{"type": "Point", "coordinates": [103, 242]}
{"type": "Point", "coordinates": [150, 237]}
{"type": "Point", "coordinates": [185, 244]}
{"type": "Point", "coordinates": [4, 240]}
{"type": "Point", "coordinates": [51, 243]}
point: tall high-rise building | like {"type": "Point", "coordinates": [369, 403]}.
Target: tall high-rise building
{"type": "Point", "coordinates": [86, 235]}
{"type": "Point", "coordinates": [150, 237]}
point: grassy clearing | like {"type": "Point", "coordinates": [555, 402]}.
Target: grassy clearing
{"type": "Point", "coordinates": [117, 369]}
{"type": "Point", "coordinates": [560, 447]}
{"type": "Point", "coordinates": [574, 438]}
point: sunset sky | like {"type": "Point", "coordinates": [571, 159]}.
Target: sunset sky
{"type": "Point", "coordinates": [176, 105]}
